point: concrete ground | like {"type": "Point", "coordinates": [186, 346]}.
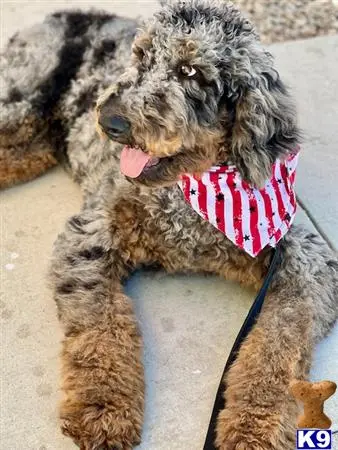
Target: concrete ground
{"type": "Point", "coordinates": [188, 323]}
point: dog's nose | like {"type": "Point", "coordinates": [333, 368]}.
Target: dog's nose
{"type": "Point", "coordinates": [115, 126]}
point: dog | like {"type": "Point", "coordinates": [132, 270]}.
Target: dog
{"type": "Point", "coordinates": [199, 90]}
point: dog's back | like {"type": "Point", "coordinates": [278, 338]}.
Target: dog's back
{"type": "Point", "coordinates": [51, 76]}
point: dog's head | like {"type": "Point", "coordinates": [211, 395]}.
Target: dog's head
{"type": "Point", "coordinates": [200, 90]}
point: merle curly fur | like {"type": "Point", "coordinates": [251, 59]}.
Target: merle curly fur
{"type": "Point", "coordinates": [234, 107]}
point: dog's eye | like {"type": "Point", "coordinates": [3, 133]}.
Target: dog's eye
{"type": "Point", "coordinates": [188, 71]}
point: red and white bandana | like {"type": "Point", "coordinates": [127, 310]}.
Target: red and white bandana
{"type": "Point", "coordinates": [251, 218]}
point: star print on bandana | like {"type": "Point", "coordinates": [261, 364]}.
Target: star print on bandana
{"type": "Point", "coordinates": [251, 218]}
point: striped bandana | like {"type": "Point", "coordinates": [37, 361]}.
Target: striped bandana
{"type": "Point", "coordinates": [251, 218]}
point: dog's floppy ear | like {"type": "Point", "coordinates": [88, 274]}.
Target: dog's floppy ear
{"type": "Point", "coordinates": [264, 123]}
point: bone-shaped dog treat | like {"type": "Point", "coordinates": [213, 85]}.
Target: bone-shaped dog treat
{"type": "Point", "coordinates": [313, 396]}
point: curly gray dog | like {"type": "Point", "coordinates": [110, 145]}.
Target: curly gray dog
{"type": "Point", "coordinates": [199, 90]}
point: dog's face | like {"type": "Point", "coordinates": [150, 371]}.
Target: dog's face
{"type": "Point", "coordinates": [200, 90]}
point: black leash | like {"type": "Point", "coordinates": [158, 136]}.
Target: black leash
{"type": "Point", "coordinates": [244, 331]}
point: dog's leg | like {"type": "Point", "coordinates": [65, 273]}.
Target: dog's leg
{"type": "Point", "coordinates": [103, 378]}
{"type": "Point", "coordinates": [300, 309]}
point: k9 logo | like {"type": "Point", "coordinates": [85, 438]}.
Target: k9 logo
{"type": "Point", "coordinates": [314, 439]}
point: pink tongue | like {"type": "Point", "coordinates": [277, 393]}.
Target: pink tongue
{"type": "Point", "coordinates": [132, 161]}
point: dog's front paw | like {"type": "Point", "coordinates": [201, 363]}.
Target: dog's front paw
{"type": "Point", "coordinates": [101, 427]}
{"type": "Point", "coordinates": [104, 391]}
{"type": "Point", "coordinates": [252, 430]}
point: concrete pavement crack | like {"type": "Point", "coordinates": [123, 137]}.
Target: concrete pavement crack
{"type": "Point", "coordinates": [315, 224]}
